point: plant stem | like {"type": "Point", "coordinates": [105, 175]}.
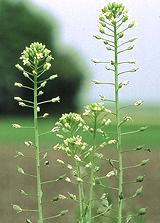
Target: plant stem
{"type": "Point", "coordinates": [81, 194]}
{"type": "Point", "coordinates": [119, 148]}
{"type": "Point", "coordinates": [92, 176]}
{"type": "Point", "coordinates": [37, 155]}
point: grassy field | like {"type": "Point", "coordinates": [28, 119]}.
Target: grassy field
{"type": "Point", "coordinates": [12, 140]}
{"type": "Point", "coordinates": [149, 117]}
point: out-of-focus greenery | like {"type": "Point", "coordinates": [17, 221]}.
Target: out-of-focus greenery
{"type": "Point", "coordinates": [22, 23]}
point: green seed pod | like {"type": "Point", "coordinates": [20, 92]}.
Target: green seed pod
{"type": "Point", "coordinates": [103, 24]}
{"type": "Point", "coordinates": [55, 199]}
{"type": "Point", "coordinates": [101, 18]}
{"type": "Point", "coordinates": [144, 162]}
{"type": "Point", "coordinates": [125, 18]}
{"type": "Point", "coordinates": [139, 191]}
{"type": "Point", "coordinates": [131, 24]}
{"type": "Point", "coordinates": [63, 212]}
{"type": "Point", "coordinates": [140, 179]}
{"type": "Point", "coordinates": [17, 208]}
{"type": "Point", "coordinates": [142, 211]}
{"type": "Point", "coordinates": [120, 35]}
{"type": "Point", "coordinates": [101, 29]}
{"type": "Point", "coordinates": [28, 220]}
{"type": "Point", "coordinates": [143, 128]}
{"type": "Point", "coordinates": [140, 147]}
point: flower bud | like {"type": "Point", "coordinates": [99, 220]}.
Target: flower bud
{"type": "Point", "coordinates": [47, 66]}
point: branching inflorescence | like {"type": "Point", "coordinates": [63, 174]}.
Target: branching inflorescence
{"type": "Point", "coordinates": [113, 28]}
{"type": "Point", "coordinates": [36, 61]}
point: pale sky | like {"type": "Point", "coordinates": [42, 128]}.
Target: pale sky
{"type": "Point", "coordinates": [78, 21]}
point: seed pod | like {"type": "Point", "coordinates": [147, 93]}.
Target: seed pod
{"type": "Point", "coordinates": [17, 208]}
{"type": "Point", "coordinates": [140, 179]}
{"type": "Point", "coordinates": [139, 191]}
{"type": "Point", "coordinates": [144, 162]}
{"type": "Point", "coordinates": [28, 220]}
{"type": "Point", "coordinates": [142, 211]}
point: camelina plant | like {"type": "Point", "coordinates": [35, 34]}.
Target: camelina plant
{"type": "Point", "coordinates": [82, 137]}
{"type": "Point", "coordinates": [36, 61]}
{"type": "Point", "coordinates": [113, 29]}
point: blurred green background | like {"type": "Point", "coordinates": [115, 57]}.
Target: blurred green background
{"type": "Point", "coordinates": [23, 23]}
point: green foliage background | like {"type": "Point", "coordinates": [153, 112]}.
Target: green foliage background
{"type": "Point", "coordinates": [22, 24]}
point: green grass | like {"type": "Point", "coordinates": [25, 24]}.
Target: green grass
{"type": "Point", "coordinates": [11, 136]}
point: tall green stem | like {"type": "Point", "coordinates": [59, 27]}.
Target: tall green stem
{"type": "Point", "coordinates": [37, 154]}
{"type": "Point", "coordinates": [81, 194]}
{"type": "Point", "coordinates": [119, 147]}
{"type": "Point", "coordinates": [90, 203]}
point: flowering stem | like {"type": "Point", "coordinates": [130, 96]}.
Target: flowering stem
{"type": "Point", "coordinates": [37, 154]}
{"type": "Point", "coordinates": [92, 176]}
{"type": "Point", "coordinates": [119, 148]}
{"type": "Point", "coordinates": [81, 194]}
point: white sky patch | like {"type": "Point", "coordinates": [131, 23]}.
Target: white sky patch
{"type": "Point", "coordinates": [79, 21]}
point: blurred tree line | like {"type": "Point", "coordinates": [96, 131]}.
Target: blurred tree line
{"type": "Point", "coordinates": [22, 24]}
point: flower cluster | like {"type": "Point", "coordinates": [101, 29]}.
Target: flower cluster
{"type": "Point", "coordinates": [36, 54]}
{"type": "Point", "coordinates": [95, 108]}
{"type": "Point", "coordinates": [114, 10]}
{"type": "Point", "coordinates": [71, 122]}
